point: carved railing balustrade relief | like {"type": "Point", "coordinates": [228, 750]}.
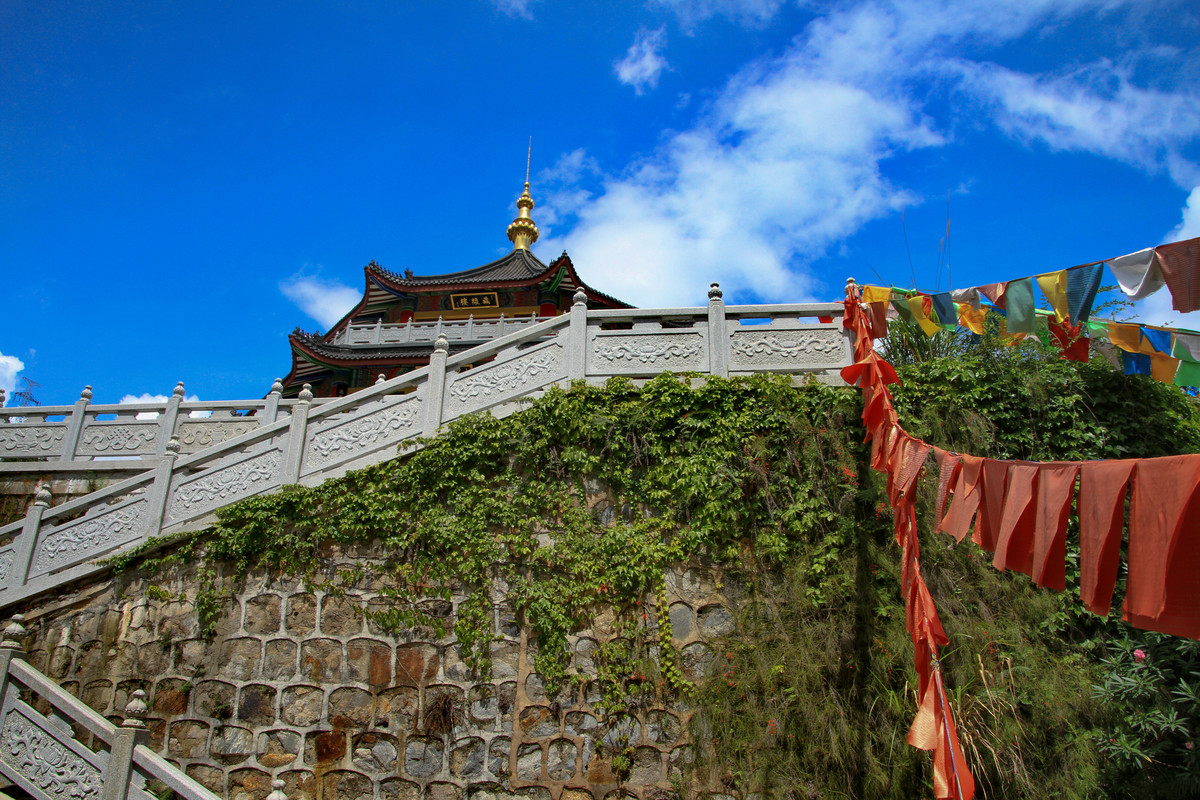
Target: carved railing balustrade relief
{"type": "Point", "coordinates": [88, 437]}
{"type": "Point", "coordinates": [40, 752]}
{"type": "Point", "coordinates": [468, 330]}
{"type": "Point", "coordinates": [312, 443]}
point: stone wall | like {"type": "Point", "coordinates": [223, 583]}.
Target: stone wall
{"type": "Point", "coordinates": [298, 684]}
{"type": "Point", "coordinates": [17, 490]}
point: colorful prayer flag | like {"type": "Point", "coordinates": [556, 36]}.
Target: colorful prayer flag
{"type": "Point", "coordinates": [1054, 286]}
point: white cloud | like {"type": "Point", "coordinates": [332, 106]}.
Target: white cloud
{"type": "Point", "coordinates": [570, 168]}
{"type": "Point", "coordinates": [515, 8]}
{"type": "Point", "coordinates": [791, 156]}
{"type": "Point", "coordinates": [1096, 109]}
{"type": "Point", "coordinates": [146, 397]}
{"type": "Point", "coordinates": [786, 164]}
{"type": "Point", "coordinates": [1156, 310]}
{"type": "Point", "coordinates": [9, 367]}
{"type": "Point", "coordinates": [643, 63]}
{"type": "Point", "coordinates": [752, 13]}
{"type": "Point", "coordinates": [1189, 226]}
{"type": "Point", "coordinates": [325, 301]}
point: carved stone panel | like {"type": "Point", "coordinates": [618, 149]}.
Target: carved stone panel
{"type": "Point", "coordinates": [493, 383]}
{"type": "Point", "coordinates": [36, 755]}
{"type": "Point", "coordinates": [815, 349]}
{"type": "Point", "coordinates": [615, 354]}
{"type": "Point", "coordinates": [199, 434]}
{"type": "Point", "coordinates": [77, 541]}
{"type": "Point", "coordinates": [6, 564]}
{"type": "Point", "coordinates": [125, 439]}
{"type": "Point", "coordinates": [20, 441]}
{"type": "Point", "coordinates": [222, 486]}
{"type": "Point", "coordinates": [338, 439]}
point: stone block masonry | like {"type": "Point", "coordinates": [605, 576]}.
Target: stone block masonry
{"type": "Point", "coordinates": [297, 684]}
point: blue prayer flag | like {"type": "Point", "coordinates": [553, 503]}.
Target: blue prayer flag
{"type": "Point", "coordinates": [1159, 340]}
{"type": "Point", "coordinates": [1082, 285]}
{"type": "Point", "coordinates": [1136, 363]}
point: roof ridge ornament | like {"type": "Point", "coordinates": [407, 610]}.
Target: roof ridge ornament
{"type": "Point", "coordinates": [522, 231]}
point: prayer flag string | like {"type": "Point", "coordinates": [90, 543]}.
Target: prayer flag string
{"type": "Point", "coordinates": [1019, 511]}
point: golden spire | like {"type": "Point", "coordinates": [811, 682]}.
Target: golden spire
{"type": "Point", "coordinates": [522, 231]}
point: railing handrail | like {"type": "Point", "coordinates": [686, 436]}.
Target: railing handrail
{"type": "Point", "coordinates": [113, 765]}
{"type": "Point", "coordinates": [237, 443]}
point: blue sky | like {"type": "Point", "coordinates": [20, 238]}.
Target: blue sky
{"type": "Point", "coordinates": [182, 184]}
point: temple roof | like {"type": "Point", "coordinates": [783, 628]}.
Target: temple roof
{"type": "Point", "coordinates": [326, 352]}
{"type": "Point", "coordinates": [518, 265]}
{"type": "Point", "coordinates": [516, 268]}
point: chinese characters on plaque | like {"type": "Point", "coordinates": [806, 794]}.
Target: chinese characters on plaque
{"type": "Point", "coordinates": [472, 301]}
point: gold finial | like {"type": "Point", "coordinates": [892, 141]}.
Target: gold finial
{"type": "Point", "coordinates": [522, 231]}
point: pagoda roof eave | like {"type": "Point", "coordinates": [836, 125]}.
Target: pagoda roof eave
{"type": "Point", "coordinates": [486, 277]}
{"type": "Point", "coordinates": [311, 347]}
{"type": "Point", "coordinates": [471, 280]}
{"type": "Point", "coordinates": [518, 266]}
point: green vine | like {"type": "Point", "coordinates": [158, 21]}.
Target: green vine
{"type": "Point", "coordinates": [580, 502]}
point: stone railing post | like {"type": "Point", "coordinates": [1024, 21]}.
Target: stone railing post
{"type": "Point", "coordinates": [129, 735]}
{"type": "Point", "coordinates": [277, 792]}
{"type": "Point", "coordinates": [577, 338]}
{"type": "Point", "coordinates": [296, 435]}
{"type": "Point", "coordinates": [2, 399]}
{"type": "Point", "coordinates": [271, 407]}
{"type": "Point", "coordinates": [75, 425]}
{"type": "Point", "coordinates": [718, 339]}
{"type": "Point", "coordinates": [435, 385]}
{"type": "Point", "coordinates": [26, 544]}
{"type": "Point", "coordinates": [160, 491]}
{"type": "Point", "coordinates": [166, 420]}
{"type": "Point", "coordinates": [377, 334]}
{"type": "Point", "coordinates": [11, 647]}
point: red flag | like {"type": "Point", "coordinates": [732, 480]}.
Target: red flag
{"type": "Point", "coordinates": [1180, 265]}
{"type": "Point", "coordinates": [1014, 543]}
{"type": "Point", "coordinates": [1162, 593]}
{"type": "Point", "coordinates": [1102, 486]}
{"type": "Point", "coordinates": [1056, 488]}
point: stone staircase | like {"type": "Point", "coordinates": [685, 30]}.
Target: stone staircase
{"type": "Point", "coordinates": [187, 467]}
{"type": "Point", "coordinates": [53, 746]}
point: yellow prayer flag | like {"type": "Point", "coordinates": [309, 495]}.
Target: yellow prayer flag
{"type": "Point", "coordinates": [1163, 368]}
{"type": "Point", "coordinates": [971, 318]}
{"type": "Point", "coordinates": [876, 294]}
{"type": "Point", "coordinates": [1054, 286]}
{"type": "Point", "coordinates": [1126, 337]}
{"type": "Point", "coordinates": [917, 306]}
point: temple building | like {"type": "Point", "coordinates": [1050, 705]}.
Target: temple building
{"type": "Point", "coordinates": [393, 328]}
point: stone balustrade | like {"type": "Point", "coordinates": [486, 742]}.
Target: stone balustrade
{"type": "Point", "coordinates": [89, 437]}
{"type": "Point", "coordinates": [309, 443]}
{"type": "Point", "coordinates": [468, 330]}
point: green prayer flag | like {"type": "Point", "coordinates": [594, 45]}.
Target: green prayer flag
{"type": "Point", "coordinates": [901, 306]}
{"type": "Point", "coordinates": [1018, 299]}
{"type": "Point", "coordinates": [1188, 374]}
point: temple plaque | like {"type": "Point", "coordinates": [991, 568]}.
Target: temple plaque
{"type": "Point", "coordinates": [466, 302]}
